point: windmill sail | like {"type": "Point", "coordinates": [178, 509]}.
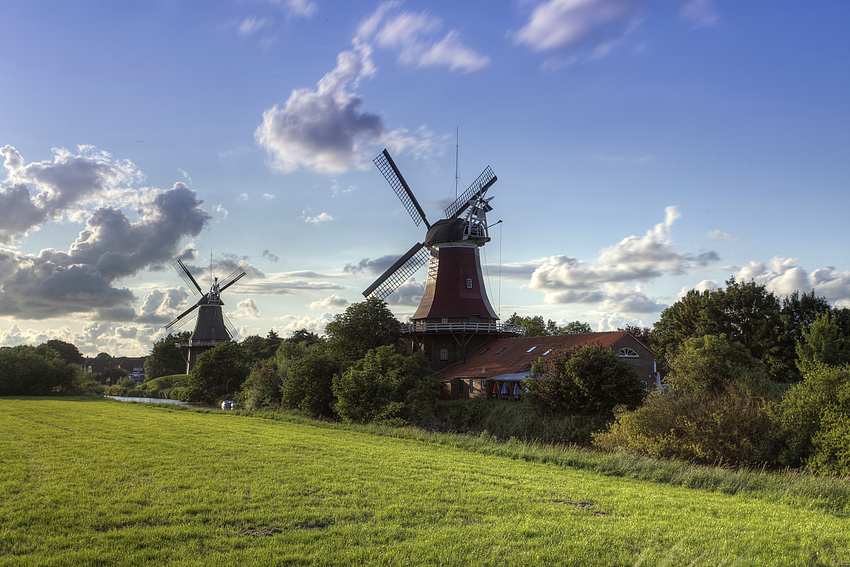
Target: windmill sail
{"type": "Point", "coordinates": [184, 273]}
{"type": "Point", "coordinates": [473, 192]}
{"type": "Point", "coordinates": [398, 273]}
{"type": "Point", "coordinates": [393, 176]}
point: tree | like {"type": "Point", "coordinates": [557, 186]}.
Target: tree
{"type": "Point", "coordinates": [591, 380]}
{"type": "Point", "coordinates": [262, 389]}
{"type": "Point", "coordinates": [36, 371]}
{"type": "Point", "coordinates": [103, 356]}
{"type": "Point", "coordinates": [261, 349]}
{"type": "Point", "coordinates": [711, 363]}
{"type": "Point", "coordinates": [364, 326]}
{"type": "Point", "coordinates": [386, 387]}
{"type": "Point", "coordinates": [640, 333]}
{"type": "Point", "coordinates": [114, 374]}
{"type": "Point", "coordinates": [574, 328]}
{"type": "Point", "coordinates": [218, 373]}
{"type": "Point", "coordinates": [307, 381]}
{"type": "Point", "coordinates": [822, 343]}
{"type": "Point", "coordinates": [744, 312]}
{"type": "Point", "coordinates": [165, 358]}
{"type": "Point", "coordinates": [815, 418]}
{"type": "Point", "coordinates": [67, 351]}
{"type": "Point", "coordinates": [296, 345]}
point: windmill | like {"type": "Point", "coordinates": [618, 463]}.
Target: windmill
{"type": "Point", "coordinates": [211, 326]}
{"type": "Point", "coordinates": [454, 305]}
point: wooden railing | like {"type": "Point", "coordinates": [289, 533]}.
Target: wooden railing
{"type": "Point", "coordinates": [464, 327]}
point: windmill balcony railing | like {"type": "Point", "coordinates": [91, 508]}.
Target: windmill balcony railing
{"type": "Point", "coordinates": [462, 327]}
{"type": "Point", "coordinates": [199, 343]}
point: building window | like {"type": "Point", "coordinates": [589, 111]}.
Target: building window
{"type": "Point", "coordinates": [532, 348]}
{"type": "Point", "coordinates": [547, 352]}
{"type": "Point", "coordinates": [444, 354]}
{"type": "Point", "coordinates": [468, 283]}
{"type": "Point", "coordinates": [500, 350]}
{"type": "Point", "coordinates": [627, 353]}
{"type": "Point", "coordinates": [445, 319]}
{"type": "Point", "coordinates": [471, 386]}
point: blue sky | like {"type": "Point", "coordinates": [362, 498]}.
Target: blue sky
{"type": "Point", "coordinates": [642, 149]}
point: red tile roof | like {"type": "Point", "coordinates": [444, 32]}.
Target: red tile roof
{"type": "Point", "coordinates": [510, 356]}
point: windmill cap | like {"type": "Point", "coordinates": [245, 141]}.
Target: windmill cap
{"type": "Point", "coordinates": [446, 230]}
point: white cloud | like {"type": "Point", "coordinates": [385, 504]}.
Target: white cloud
{"type": "Point", "coordinates": [320, 218]}
{"type": "Point", "coordinates": [564, 279]}
{"type": "Point", "coordinates": [323, 129]}
{"type": "Point", "coordinates": [245, 309]}
{"type": "Point", "coordinates": [700, 13]}
{"type": "Point", "coordinates": [250, 26]}
{"type": "Point", "coordinates": [720, 235]}
{"type": "Point", "coordinates": [571, 24]}
{"type": "Point", "coordinates": [784, 276]}
{"type": "Point", "coordinates": [331, 302]}
{"type": "Point", "coordinates": [414, 36]}
{"type": "Point", "coordinates": [291, 323]}
{"type": "Point", "coordinates": [112, 246]}
{"type": "Point", "coordinates": [301, 8]}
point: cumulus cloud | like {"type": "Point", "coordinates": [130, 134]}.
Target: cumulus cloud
{"type": "Point", "coordinates": [88, 187]}
{"type": "Point", "coordinates": [323, 129]}
{"type": "Point", "coordinates": [287, 284]}
{"type": "Point", "coordinates": [246, 309]}
{"type": "Point", "coordinates": [331, 302]}
{"type": "Point", "coordinates": [596, 25]}
{"type": "Point", "coordinates": [70, 186]}
{"type": "Point", "coordinates": [327, 129]}
{"type": "Point", "coordinates": [720, 235]}
{"type": "Point", "coordinates": [320, 218]}
{"type": "Point", "coordinates": [634, 259]}
{"type": "Point", "coordinates": [784, 276]}
{"type": "Point", "coordinates": [291, 323]}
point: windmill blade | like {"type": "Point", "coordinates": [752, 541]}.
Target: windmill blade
{"type": "Point", "coordinates": [393, 176]}
{"type": "Point", "coordinates": [477, 189]}
{"type": "Point", "coordinates": [187, 276]}
{"type": "Point", "coordinates": [231, 279]}
{"type": "Point", "coordinates": [398, 273]}
{"type": "Point", "coordinates": [179, 317]}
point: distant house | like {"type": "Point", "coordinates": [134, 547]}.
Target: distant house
{"type": "Point", "coordinates": [135, 366]}
{"type": "Point", "coordinates": [497, 367]}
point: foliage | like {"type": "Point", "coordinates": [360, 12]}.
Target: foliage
{"type": "Point", "coordinates": [712, 363]}
{"type": "Point", "coordinates": [734, 424]}
{"type": "Point", "coordinates": [103, 356]}
{"type": "Point", "coordinates": [262, 349]}
{"type": "Point", "coordinates": [822, 343]}
{"type": "Point", "coordinates": [307, 382]}
{"type": "Point", "coordinates": [815, 418]}
{"type": "Point", "coordinates": [386, 387]}
{"type": "Point", "coordinates": [535, 327]}
{"type": "Point", "coordinates": [640, 333]}
{"type": "Point", "coordinates": [296, 345]}
{"type": "Point", "coordinates": [745, 313]}
{"type": "Point", "coordinates": [36, 371]}
{"type": "Point", "coordinates": [165, 358]}
{"type": "Point", "coordinates": [218, 373]}
{"type": "Point", "coordinates": [66, 351]}
{"type": "Point", "coordinates": [364, 326]}
{"type": "Point", "coordinates": [114, 374]}
{"type": "Point", "coordinates": [262, 389]}
{"type": "Point", "coordinates": [591, 380]}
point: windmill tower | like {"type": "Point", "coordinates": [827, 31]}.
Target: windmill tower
{"type": "Point", "coordinates": [455, 315]}
{"type": "Point", "coordinates": [211, 326]}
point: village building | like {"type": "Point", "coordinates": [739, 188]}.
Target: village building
{"type": "Point", "coordinates": [497, 368]}
{"type": "Point", "coordinates": [135, 366]}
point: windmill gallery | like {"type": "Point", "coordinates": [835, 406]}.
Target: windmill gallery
{"type": "Point", "coordinates": [455, 326]}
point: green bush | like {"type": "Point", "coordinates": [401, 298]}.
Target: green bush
{"type": "Point", "coordinates": [815, 418]}
{"type": "Point", "coordinates": [735, 425]}
{"type": "Point", "coordinates": [307, 382]}
{"type": "Point", "coordinates": [261, 390]}
{"type": "Point", "coordinates": [591, 380]}
{"type": "Point", "coordinates": [388, 387]}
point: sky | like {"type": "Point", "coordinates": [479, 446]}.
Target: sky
{"type": "Point", "coordinates": [642, 148]}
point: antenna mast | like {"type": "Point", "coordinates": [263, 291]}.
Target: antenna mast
{"type": "Point", "coordinates": [457, 153]}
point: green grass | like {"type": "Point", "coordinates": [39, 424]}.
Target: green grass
{"type": "Point", "coordinates": [90, 482]}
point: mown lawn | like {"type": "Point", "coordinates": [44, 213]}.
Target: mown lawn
{"type": "Point", "coordinates": [109, 483]}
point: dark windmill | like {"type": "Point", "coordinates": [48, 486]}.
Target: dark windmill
{"type": "Point", "coordinates": [211, 326]}
{"type": "Point", "coordinates": [455, 316]}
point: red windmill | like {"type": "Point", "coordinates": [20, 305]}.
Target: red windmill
{"type": "Point", "coordinates": [455, 316]}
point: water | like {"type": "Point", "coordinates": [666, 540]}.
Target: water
{"type": "Point", "coordinates": [149, 400]}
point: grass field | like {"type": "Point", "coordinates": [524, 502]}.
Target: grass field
{"type": "Point", "coordinates": [91, 482]}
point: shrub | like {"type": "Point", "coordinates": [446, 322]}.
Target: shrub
{"type": "Point", "coordinates": [591, 380]}
{"type": "Point", "coordinates": [261, 390]}
{"type": "Point", "coordinates": [815, 418]}
{"type": "Point", "coordinates": [307, 382]}
{"type": "Point", "coordinates": [386, 387]}
{"type": "Point", "coordinates": [734, 425]}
